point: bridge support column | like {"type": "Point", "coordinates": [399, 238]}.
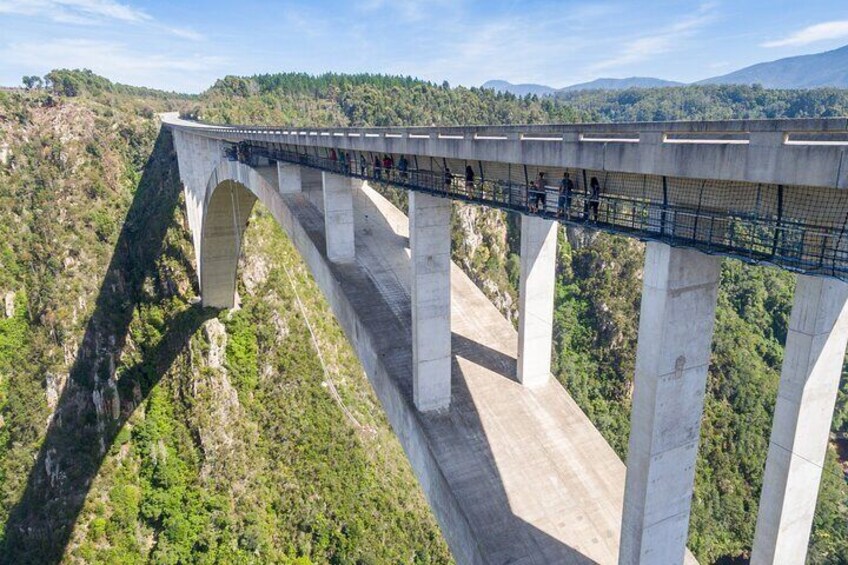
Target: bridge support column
{"type": "Point", "coordinates": [536, 299]}
{"type": "Point", "coordinates": [289, 178]}
{"type": "Point", "coordinates": [679, 293]}
{"type": "Point", "coordinates": [338, 217]}
{"type": "Point", "coordinates": [430, 245]}
{"type": "Point", "coordinates": [812, 366]}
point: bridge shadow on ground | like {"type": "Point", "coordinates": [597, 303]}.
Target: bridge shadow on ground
{"type": "Point", "coordinates": [495, 361]}
{"type": "Point", "coordinates": [469, 453]}
{"type": "Point", "coordinates": [94, 407]}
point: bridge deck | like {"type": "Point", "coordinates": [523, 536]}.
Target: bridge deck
{"type": "Point", "coordinates": [535, 480]}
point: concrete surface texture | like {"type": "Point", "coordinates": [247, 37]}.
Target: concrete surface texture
{"type": "Point", "coordinates": [338, 205]}
{"type": "Point", "coordinates": [430, 261]}
{"type": "Point", "coordinates": [536, 299]}
{"type": "Point", "coordinates": [289, 178]}
{"type": "Point", "coordinates": [812, 366]}
{"type": "Point", "coordinates": [679, 293]}
{"type": "Point", "coordinates": [227, 213]}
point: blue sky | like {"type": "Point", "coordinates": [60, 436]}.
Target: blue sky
{"type": "Point", "coordinates": [186, 45]}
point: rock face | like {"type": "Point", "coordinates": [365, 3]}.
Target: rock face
{"type": "Point", "coordinates": [219, 416]}
{"type": "Point", "coordinates": [9, 304]}
{"type": "Point", "coordinates": [216, 335]}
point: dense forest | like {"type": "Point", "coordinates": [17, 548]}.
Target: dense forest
{"type": "Point", "coordinates": [105, 358]}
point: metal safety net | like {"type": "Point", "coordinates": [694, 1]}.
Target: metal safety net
{"type": "Point", "coordinates": [799, 228]}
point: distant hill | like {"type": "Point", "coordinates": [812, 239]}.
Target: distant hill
{"type": "Point", "coordinates": [806, 71]}
{"type": "Point", "coordinates": [621, 84]}
{"type": "Point", "coordinates": [598, 84]}
{"type": "Point", "coordinates": [519, 89]}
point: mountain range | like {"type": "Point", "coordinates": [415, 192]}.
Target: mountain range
{"type": "Point", "coordinates": [829, 68]}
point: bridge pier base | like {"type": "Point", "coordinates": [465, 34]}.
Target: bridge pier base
{"type": "Point", "coordinates": [430, 246]}
{"type": "Point", "coordinates": [338, 217]}
{"type": "Point", "coordinates": [809, 381]}
{"type": "Point", "coordinates": [536, 299]}
{"type": "Point", "coordinates": [290, 178]}
{"type": "Point", "coordinates": [679, 293]}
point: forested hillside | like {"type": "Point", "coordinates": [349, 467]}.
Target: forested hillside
{"type": "Point", "coordinates": [599, 276]}
{"type": "Point", "coordinates": [136, 426]}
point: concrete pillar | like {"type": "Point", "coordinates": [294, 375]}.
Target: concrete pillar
{"type": "Point", "coordinates": [289, 178]}
{"type": "Point", "coordinates": [430, 245]}
{"type": "Point", "coordinates": [338, 217]}
{"type": "Point", "coordinates": [812, 366]}
{"type": "Point", "coordinates": [679, 293]}
{"type": "Point", "coordinates": [536, 299]}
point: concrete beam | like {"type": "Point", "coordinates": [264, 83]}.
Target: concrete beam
{"type": "Point", "coordinates": [289, 177]}
{"type": "Point", "coordinates": [812, 366]}
{"type": "Point", "coordinates": [430, 246]}
{"type": "Point", "coordinates": [338, 216]}
{"type": "Point", "coordinates": [536, 299]}
{"type": "Point", "coordinates": [675, 335]}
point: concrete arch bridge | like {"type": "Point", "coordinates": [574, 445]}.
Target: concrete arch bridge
{"type": "Point", "coordinates": [513, 470]}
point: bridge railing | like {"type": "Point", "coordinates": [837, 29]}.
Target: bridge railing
{"type": "Point", "coordinates": [788, 243]}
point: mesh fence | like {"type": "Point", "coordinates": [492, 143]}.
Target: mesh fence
{"type": "Point", "coordinates": [796, 227]}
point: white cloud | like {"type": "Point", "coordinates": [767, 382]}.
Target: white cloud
{"type": "Point", "coordinates": [820, 32]}
{"type": "Point", "coordinates": [74, 11]}
{"type": "Point", "coordinates": [118, 62]}
{"type": "Point", "coordinates": [664, 40]}
{"type": "Point", "coordinates": [90, 12]}
{"type": "Point", "coordinates": [410, 10]}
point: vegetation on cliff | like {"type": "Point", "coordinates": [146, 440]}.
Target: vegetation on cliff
{"type": "Point", "coordinates": [136, 426]}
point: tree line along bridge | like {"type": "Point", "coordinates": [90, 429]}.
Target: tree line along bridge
{"type": "Point", "coordinates": [514, 471]}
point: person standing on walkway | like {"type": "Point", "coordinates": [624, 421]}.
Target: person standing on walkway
{"type": "Point", "coordinates": [566, 187]}
{"type": "Point", "coordinates": [403, 166]}
{"type": "Point", "coordinates": [448, 179]}
{"type": "Point", "coordinates": [541, 188]}
{"type": "Point", "coordinates": [594, 197]}
{"type": "Point", "coordinates": [469, 180]}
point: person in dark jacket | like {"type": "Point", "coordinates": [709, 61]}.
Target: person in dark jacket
{"type": "Point", "coordinates": [594, 197]}
{"type": "Point", "coordinates": [469, 180]}
{"type": "Point", "coordinates": [566, 187]}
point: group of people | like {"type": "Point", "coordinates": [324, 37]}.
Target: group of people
{"type": "Point", "coordinates": [385, 169]}
{"type": "Point", "coordinates": [537, 197]}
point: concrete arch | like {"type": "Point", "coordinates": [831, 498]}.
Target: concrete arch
{"type": "Point", "coordinates": [231, 193]}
